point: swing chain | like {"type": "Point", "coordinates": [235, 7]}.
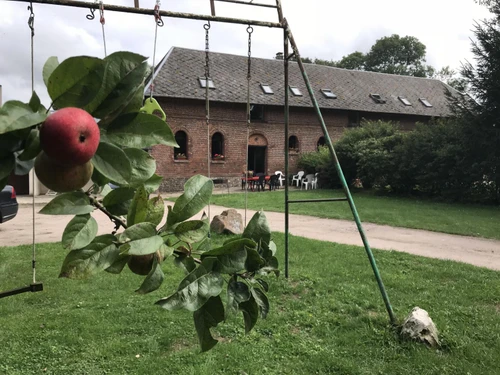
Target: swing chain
{"type": "Point", "coordinates": [158, 20]}
{"type": "Point", "coordinates": [249, 31]}
{"type": "Point", "coordinates": [31, 19]}
{"type": "Point", "coordinates": [101, 13]}
{"type": "Point", "coordinates": [207, 49]}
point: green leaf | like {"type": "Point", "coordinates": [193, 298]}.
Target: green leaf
{"type": "Point", "coordinates": [237, 292]}
{"type": "Point", "coordinates": [185, 262]}
{"type": "Point", "coordinates": [156, 210]}
{"type": "Point", "coordinates": [197, 193]}
{"type": "Point", "coordinates": [118, 264]}
{"type": "Point", "coordinates": [135, 103]}
{"type": "Point", "coordinates": [250, 311]}
{"type": "Point", "coordinates": [231, 256]}
{"type": "Point", "coordinates": [140, 239]}
{"type": "Point", "coordinates": [23, 167]}
{"type": "Point", "coordinates": [34, 102]}
{"type": "Point", "coordinates": [191, 231]}
{"type": "Point", "coordinates": [48, 68]}
{"type": "Point", "coordinates": [99, 255]}
{"type": "Point", "coordinates": [194, 291]}
{"type": "Point", "coordinates": [153, 183]}
{"type": "Point", "coordinates": [258, 228]}
{"type": "Point", "coordinates": [99, 179]}
{"type": "Point", "coordinates": [75, 82]}
{"type": "Point", "coordinates": [9, 143]}
{"type": "Point", "coordinates": [15, 115]}
{"type": "Point", "coordinates": [143, 166]}
{"type": "Point", "coordinates": [263, 284]}
{"type": "Point", "coordinates": [124, 73]}
{"type": "Point", "coordinates": [138, 209]}
{"type": "Point", "coordinates": [262, 301]}
{"type": "Point", "coordinates": [254, 261]}
{"type": "Point", "coordinates": [208, 316]}
{"type": "Point", "coordinates": [32, 146]}
{"type": "Point", "coordinates": [79, 232]}
{"type": "Point", "coordinates": [74, 203]}
{"type": "Point", "coordinates": [142, 246]}
{"type": "Point", "coordinates": [118, 200]}
{"type": "Point", "coordinates": [153, 280]}
{"type": "Point", "coordinates": [140, 130]}
{"type": "Point", "coordinates": [112, 163]}
{"type": "Point", "coordinates": [7, 165]}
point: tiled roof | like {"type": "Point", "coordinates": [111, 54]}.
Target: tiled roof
{"type": "Point", "coordinates": [180, 69]}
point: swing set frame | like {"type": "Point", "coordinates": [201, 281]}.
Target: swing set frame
{"type": "Point", "coordinates": [288, 41]}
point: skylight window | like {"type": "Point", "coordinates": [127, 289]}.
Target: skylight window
{"type": "Point", "coordinates": [404, 100]}
{"type": "Point", "coordinates": [328, 94]}
{"type": "Point", "coordinates": [266, 88]}
{"type": "Point", "coordinates": [203, 83]}
{"type": "Point", "coordinates": [295, 91]}
{"type": "Point", "coordinates": [378, 99]}
{"type": "Point", "coordinates": [425, 102]}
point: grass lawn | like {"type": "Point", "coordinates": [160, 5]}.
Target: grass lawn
{"type": "Point", "coordinates": [464, 219]}
{"type": "Point", "coordinates": [328, 318]}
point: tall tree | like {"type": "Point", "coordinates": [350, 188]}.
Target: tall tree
{"type": "Point", "coordinates": [353, 61]}
{"type": "Point", "coordinates": [481, 115]}
{"type": "Point", "coordinates": [398, 55]}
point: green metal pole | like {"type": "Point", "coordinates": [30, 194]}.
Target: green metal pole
{"type": "Point", "coordinates": [342, 178]}
{"type": "Point", "coordinates": [285, 149]}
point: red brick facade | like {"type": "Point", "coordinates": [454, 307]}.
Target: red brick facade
{"type": "Point", "coordinates": [230, 120]}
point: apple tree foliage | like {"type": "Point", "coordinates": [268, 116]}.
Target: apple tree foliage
{"type": "Point", "coordinates": [220, 281]}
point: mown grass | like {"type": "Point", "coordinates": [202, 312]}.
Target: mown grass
{"type": "Point", "coordinates": [328, 318]}
{"type": "Point", "coordinates": [463, 219]}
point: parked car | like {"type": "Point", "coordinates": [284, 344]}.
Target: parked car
{"type": "Point", "coordinates": [8, 204]}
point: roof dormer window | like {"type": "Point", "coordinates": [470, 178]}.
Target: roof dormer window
{"type": "Point", "coordinates": [404, 100]}
{"type": "Point", "coordinates": [425, 102]}
{"type": "Point", "coordinates": [295, 91]}
{"type": "Point", "coordinates": [378, 99]}
{"type": "Point", "coordinates": [203, 83]}
{"type": "Point", "coordinates": [266, 88]}
{"type": "Point", "coordinates": [327, 93]}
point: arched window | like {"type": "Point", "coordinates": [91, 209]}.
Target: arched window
{"type": "Point", "coordinates": [181, 152]}
{"type": "Point", "coordinates": [218, 146]}
{"type": "Point", "coordinates": [321, 142]}
{"type": "Point", "coordinates": [293, 144]}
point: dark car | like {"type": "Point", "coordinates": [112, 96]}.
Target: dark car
{"type": "Point", "coordinates": [8, 204]}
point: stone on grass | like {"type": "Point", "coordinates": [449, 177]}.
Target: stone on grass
{"type": "Point", "coordinates": [420, 327]}
{"type": "Point", "coordinates": [228, 222]}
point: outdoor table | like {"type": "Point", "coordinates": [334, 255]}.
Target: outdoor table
{"type": "Point", "coordinates": [251, 181]}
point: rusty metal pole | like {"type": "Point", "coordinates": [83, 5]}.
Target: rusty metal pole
{"type": "Point", "coordinates": [368, 250]}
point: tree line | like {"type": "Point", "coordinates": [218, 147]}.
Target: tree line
{"type": "Point", "coordinates": [457, 158]}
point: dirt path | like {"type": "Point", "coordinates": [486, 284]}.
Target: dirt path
{"type": "Point", "coordinates": [476, 251]}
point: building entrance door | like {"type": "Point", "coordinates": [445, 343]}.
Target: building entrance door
{"type": "Point", "coordinates": [257, 159]}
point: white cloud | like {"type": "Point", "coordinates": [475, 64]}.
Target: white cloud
{"type": "Point", "coordinates": [326, 29]}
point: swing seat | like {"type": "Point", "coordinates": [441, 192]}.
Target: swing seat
{"type": "Point", "coordinates": [152, 107]}
{"type": "Point", "coordinates": [34, 287]}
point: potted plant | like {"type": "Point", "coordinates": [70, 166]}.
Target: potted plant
{"type": "Point", "coordinates": [180, 156]}
{"type": "Point", "coordinates": [218, 157]}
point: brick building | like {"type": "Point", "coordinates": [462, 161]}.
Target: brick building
{"type": "Point", "coordinates": [344, 96]}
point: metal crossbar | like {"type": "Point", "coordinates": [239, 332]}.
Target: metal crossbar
{"type": "Point", "coordinates": [163, 13]}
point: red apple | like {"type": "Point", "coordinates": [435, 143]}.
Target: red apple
{"type": "Point", "coordinates": [70, 136]}
{"type": "Point", "coordinates": [62, 178]}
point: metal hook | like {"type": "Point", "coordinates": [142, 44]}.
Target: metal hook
{"type": "Point", "coordinates": [157, 15]}
{"type": "Point", "coordinates": [31, 19]}
{"type": "Point", "coordinates": [91, 16]}
{"type": "Point", "coordinates": [249, 29]}
{"type": "Point", "coordinates": [207, 25]}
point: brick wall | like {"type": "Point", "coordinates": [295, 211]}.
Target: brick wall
{"type": "Point", "coordinates": [230, 120]}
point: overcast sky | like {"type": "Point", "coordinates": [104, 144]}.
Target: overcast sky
{"type": "Point", "coordinates": [326, 29]}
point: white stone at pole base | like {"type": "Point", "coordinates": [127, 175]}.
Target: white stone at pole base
{"type": "Point", "coordinates": [419, 326]}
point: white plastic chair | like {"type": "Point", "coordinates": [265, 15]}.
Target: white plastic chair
{"type": "Point", "coordinates": [307, 181]}
{"type": "Point", "coordinates": [314, 184]}
{"type": "Point", "coordinates": [297, 177]}
{"type": "Point", "coordinates": [281, 177]}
